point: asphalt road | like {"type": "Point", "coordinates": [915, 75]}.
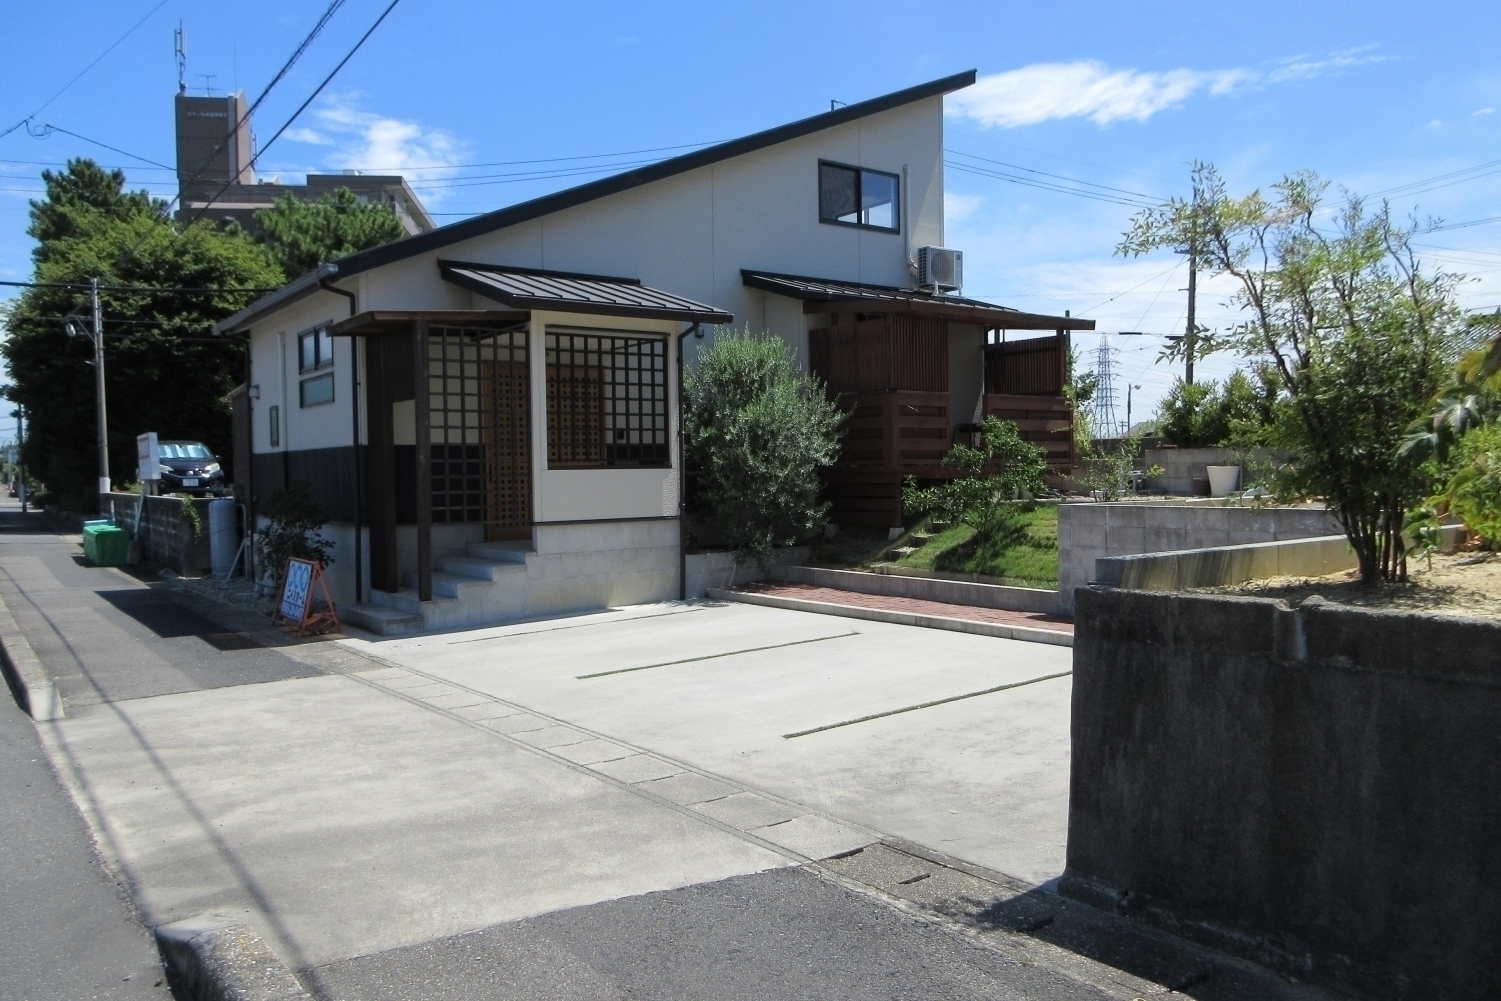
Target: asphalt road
{"type": "Point", "coordinates": [786, 934]}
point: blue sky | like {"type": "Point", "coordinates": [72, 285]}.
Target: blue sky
{"type": "Point", "coordinates": [1373, 96]}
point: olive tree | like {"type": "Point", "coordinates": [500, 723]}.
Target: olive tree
{"type": "Point", "coordinates": [1357, 331]}
{"type": "Point", "coordinates": [756, 432]}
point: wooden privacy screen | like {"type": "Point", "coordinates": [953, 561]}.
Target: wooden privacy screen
{"type": "Point", "coordinates": [1033, 367]}
{"type": "Point", "coordinates": [888, 352]}
{"type": "Point", "coordinates": [480, 429]}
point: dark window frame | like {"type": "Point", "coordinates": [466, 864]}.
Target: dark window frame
{"type": "Point", "coordinates": [860, 173]}
{"type": "Point", "coordinates": [321, 340]}
{"type": "Point", "coordinates": [302, 388]}
{"type": "Point", "coordinates": [629, 398]}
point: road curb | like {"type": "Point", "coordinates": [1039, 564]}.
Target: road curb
{"type": "Point", "coordinates": [999, 630]}
{"type": "Point", "coordinates": [24, 671]}
{"type": "Point", "coordinates": [214, 959]}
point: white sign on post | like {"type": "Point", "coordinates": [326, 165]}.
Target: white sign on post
{"type": "Point", "coordinates": [148, 457]}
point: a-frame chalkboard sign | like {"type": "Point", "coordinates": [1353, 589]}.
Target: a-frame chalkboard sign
{"type": "Point", "coordinates": [295, 601]}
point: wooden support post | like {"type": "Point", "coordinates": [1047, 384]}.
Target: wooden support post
{"type": "Point", "coordinates": [424, 449]}
{"type": "Point", "coordinates": [380, 469]}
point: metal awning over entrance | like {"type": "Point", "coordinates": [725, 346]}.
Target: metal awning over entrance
{"type": "Point", "coordinates": [566, 292]}
{"type": "Point", "coordinates": [822, 295]}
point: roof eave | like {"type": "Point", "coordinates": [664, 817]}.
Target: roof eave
{"type": "Point", "coordinates": [289, 293]}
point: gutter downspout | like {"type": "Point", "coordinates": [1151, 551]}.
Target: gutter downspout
{"type": "Point", "coordinates": [354, 408]}
{"type": "Point", "coordinates": [683, 471]}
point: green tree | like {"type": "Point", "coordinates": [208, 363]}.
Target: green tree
{"type": "Point", "coordinates": [1214, 415]}
{"type": "Point", "coordinates": [304, 234]}
{"type": "Point", "coordinates": [1358, 334]}
{"type": "Point", "coordinates": [165, 371]}
{"type": "Point", "coordinates": [756, 433]}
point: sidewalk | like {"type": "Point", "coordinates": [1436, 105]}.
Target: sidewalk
{"type": "Point", "coordinates": [392, 836]}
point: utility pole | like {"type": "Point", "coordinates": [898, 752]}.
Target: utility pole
{"type": "Point", "coordinates": [104, 484]}
{"type": "Point", "coordinates": [1191, 332]}
{"type": "Point", "coordinates": [1129, 387]}
{"type": "Point", "coordinates": [21, 453]}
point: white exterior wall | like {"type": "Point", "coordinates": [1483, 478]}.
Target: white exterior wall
{"type": "Point", "coordinates": [273, 367]}
{"type": "Point", "coordinates": [691, 235]}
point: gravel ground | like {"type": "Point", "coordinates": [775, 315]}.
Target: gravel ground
{"type": "Point", "coordinates": [1464, 583]}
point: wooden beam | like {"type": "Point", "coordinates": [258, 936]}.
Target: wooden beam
{"type": "Point", "coordinates": [376, 322]}
{"type": "Point", "coordinates": [957, 312]}
{"type": "Point", "coordinates": [424, 451]}
{"type": "Point", "coordinates": [380, 467]}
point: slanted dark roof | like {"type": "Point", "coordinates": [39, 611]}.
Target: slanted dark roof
{"type": "Point", "coordinates": [453, 233]}
{"type": "Point", "coordinates": [822, 295]}
{"type": "Point", "coordinates": [567, 292]}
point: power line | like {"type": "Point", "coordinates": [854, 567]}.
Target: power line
{"type": "Point", "coordinates": [286, 67]}
{"type": "Point", "coordinates": [1453, 177]}
{"type": "Point", "coordinates": [59, 93]}
{"type": "Point", "coordinates": [1046, 186]}
{"type": "Point", "coordinates": [302, 107]}
{"type": "Point", "coordinates": [132, 288]}
{"type": "Point", "coordinates": [1044, 173]}
{"type": "Point", "coordinates": [48, 128]}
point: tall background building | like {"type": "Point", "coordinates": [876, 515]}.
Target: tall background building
{"type": "Point", "coordinates": [215, 169]}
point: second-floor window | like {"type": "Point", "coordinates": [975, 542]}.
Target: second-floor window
{"type": "Point", "coordinates": [854, 196]}
{"type": "Point", "coordinates": [315, 349]}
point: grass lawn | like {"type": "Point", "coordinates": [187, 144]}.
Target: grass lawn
{"type": "Point", "coordinates": [1024, 548]}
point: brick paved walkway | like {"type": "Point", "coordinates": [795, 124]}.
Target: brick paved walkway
{"type": "Point", "coordinates": [834, 596]}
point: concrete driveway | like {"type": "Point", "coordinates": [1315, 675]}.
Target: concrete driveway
{"type": "Point", "coordinates": [876, 724]}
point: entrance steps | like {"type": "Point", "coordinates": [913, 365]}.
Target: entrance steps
{"type": "Point", "coordinates": [488, 584]}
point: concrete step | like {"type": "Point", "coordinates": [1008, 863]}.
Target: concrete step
{"type": "Point", "coordinates": [511, 551]}
{"type": "Point", "coordinates": [406, 600]}
{"type": "Point", "coordinates": [381, 620]}
{"type": "Point", "coordinates": [478, 567]}
{"type": "Point", "coordinates": [449, 585]}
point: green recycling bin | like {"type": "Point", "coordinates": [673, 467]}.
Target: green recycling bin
{"type": "Point", "coordinates": [106, 545]}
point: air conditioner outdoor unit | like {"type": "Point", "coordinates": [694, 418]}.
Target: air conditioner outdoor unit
{"type": "Point", "coordinates": [940, 269]}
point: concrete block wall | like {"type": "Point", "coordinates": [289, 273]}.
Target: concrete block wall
{"type": "Point", "coordinates": [1312, 788]}
{"type": "Point", "coordinates": [1181, 466]}
{"type": "Point", "coordinates": [585, 566]}
{"type": "Point", "coordinates": [1088, 532]}
{"type": "Point", "coordinates": [1224, 565]}
{"type": "Point", "coordinates": [956, 592]}
{"type": "Point", "coordinates": [719, 569]}
{"type": "Point", "coordinates": [157, 526]}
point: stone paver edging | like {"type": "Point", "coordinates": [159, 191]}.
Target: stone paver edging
{"type": "Point", "coordinates": [25, 671]}
{"type": "Point", "coordinates": [1000, 630]}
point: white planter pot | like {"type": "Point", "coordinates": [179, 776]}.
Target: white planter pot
{"type": "Point", "coordinates": [1223, 480]}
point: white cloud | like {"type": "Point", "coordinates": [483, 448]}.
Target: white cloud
{"type": "Point", "coordinates": [1482, 112]}
{"type": "Point", "coordinates": [958, 206]}
{"type": "Point", "coordinates": [378, 144]}
{"type": "Point", "coordinates": [310, 136]}
{"type": "Point", "coordinates": [1090, 89]}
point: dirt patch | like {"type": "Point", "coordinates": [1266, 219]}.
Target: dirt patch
{"type": "Point", "coordinates": [1467, 584]}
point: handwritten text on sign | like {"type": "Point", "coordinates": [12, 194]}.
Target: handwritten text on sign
{"type": "Point", "coordinates": [296, 593]}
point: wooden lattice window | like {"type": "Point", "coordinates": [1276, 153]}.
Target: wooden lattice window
{"type": "Point", "coordinates": [606, 400]}
{"type": "Point", "coordinates": [481, 442]}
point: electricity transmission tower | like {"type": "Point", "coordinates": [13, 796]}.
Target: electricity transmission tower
{"type": "Point", "coordinates": [1102, 410]}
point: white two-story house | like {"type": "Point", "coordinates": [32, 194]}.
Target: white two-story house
{"type": "Point", "coordinates": [488, 411]}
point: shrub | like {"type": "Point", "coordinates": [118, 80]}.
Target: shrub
{"type": "Point", "coordinates": [1473, 493]}
{"type": "Point", "coordinates": [756, 433]}
{"type": "Point", "coordinates": [1213, 415]}
{"type": "Point", "coordinates": [293, 531]}
{"type": "Point", "coordinates": [1015, 467]}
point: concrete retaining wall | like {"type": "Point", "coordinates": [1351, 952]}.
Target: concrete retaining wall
{"type": "Point", "coordinates": [159, 529]}
{"type": "Point", "coordinates": [718, 569]}
{"type": "Point", "coordinates": [1089, 532]}
{"type": "Point", "coordinates": [1220, 566]}
{"type": "Point", "coordinates": [1020, 599]}
{"type": "Point", "coordinates": [1315, 788]}
{"type": "Point", "coordinates": [1182, 466]}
